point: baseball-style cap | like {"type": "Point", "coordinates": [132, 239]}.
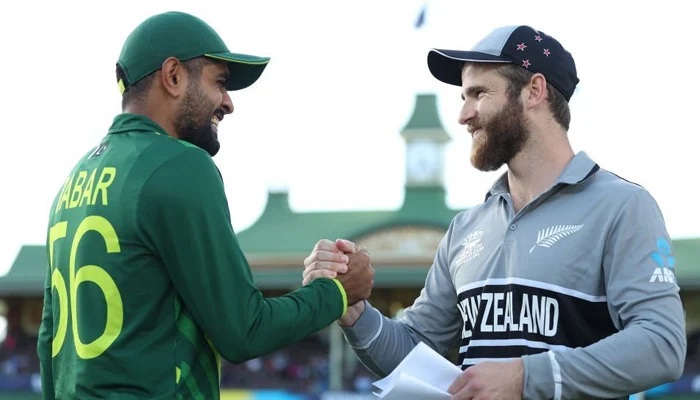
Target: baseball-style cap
{"type": "Point", "coordinates": [520, 45]}
{"type": "Point", "coordinates": [184, 36]}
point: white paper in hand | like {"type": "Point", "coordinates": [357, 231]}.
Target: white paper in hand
{"type": "Point", "coordinates": [423, 374]}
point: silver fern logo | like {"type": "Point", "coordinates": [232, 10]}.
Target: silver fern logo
{"type": "Point", "coordinates": [547, 237]}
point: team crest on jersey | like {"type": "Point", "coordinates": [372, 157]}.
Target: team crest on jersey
{"type": "Point", "coordinates": [548, 237]}
{"type": "Point", "coordinates": [472, 247]}
{"type": "Point", "coordinates": [98, 150]}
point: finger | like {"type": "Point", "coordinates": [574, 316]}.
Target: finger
{"type": "Point", "coordinates": [333, 266]}
{"type": "Point", "coordinates": [460, 382]}
{"type": "Point", "coordinates": [325, 255]}
{"type": "Point", "coordinates": [345, 246]}
{"type": "Point", "coordinates": [323, 273]}
{"type": "Point", "coordinates": [467, 393]}
{"type": "Point", "coordinates": [327, 245]}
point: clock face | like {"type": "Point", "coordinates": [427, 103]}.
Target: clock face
{"type": "Point", "coordinates": [423, 161]}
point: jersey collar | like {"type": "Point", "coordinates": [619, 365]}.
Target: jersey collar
{"type": "Point", "coordinates": [579, 169]}
{"type": "Point", "coordinates": [127, 122]}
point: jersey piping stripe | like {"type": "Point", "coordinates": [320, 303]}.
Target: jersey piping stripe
{"type": "Point", "coordinates": [512, 342]}
{"type": "Point", "coordinates": [473, 361]}
{"type": "Point", "coordinates": [218, 358]}
{"type": "Point", "coordinates": [534, 284]}
{"type": "Point", "coordinates": [191, 382]}
{"type": "Point", "coordinates": [556, 372]}
{"type": "Point", "coordinates": [376, 335]}
{"type": "Point", "coordinates": [188, 329]}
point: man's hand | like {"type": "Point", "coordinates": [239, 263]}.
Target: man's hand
{"type": "Point", "coordinates": [359, 279]}
{"type": "Point", "coordinates": [490, 380]}
{"type": "Point", "coordinates": [326, 261]}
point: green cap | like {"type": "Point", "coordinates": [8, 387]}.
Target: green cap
{"type": "Point", "coordinates": [184, 36]}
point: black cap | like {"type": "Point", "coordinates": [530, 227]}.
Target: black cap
{"type": "Point", "coordinates": [520, 45]}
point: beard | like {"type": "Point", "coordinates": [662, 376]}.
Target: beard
{"type": "Point", "coordinates": [193, 121]}
{"type": "Point", "coordinates": [502, 136]}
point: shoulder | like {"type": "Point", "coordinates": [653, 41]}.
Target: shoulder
{"type": "Point", "coordinates": [612, 184]}
{"type": "Point", "coordinates": [176, 157]}
{"type": "Point", "coordinates": [182, 173]}
{"type": "Point", "coordinates": [626, 204]}
{"type": "Point", "coordinates": [465, 221]}
{"type": "Point", "coordinates": [617, 193]}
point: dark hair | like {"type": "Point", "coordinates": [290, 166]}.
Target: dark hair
{"type": "Point", "coordinates": [136, 92]}
{"type": "Point", "coordinates": [518, 77]}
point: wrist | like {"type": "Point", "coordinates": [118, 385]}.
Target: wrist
{"type": "Point", "coordinates": [353, 313]}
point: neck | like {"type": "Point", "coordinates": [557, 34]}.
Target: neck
{"type": "Point", "coordinates": [536, 167]}
{"type": "Point", "coordinates": [155, 115]}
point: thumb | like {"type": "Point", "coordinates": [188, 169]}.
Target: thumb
{"type": "Point", "coordinates": [345, 246]}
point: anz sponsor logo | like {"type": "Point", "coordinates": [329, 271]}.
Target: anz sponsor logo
{"type": "Point", "coordinates": [665, 262]}
{"type": "Point", "coordinates": [509, 312]}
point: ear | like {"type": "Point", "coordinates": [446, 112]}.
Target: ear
{"type": "Point", "coordinates": [173, 77]}
{"type": "Point", "coordinates": [537, 91]}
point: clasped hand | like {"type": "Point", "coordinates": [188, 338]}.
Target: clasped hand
{"type": "Point", "coordinates": [344, 261]}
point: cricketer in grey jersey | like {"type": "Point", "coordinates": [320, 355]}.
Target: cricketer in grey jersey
{"type": "Point", "coordinates": [579, 283]}
{"type": "Point", "coordinates": [560, 285]}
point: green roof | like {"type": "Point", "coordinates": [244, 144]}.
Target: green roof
{"type": "Point", "coordinates": [280, 230]}
{"type": "Point", "coordinates": [27, 274]}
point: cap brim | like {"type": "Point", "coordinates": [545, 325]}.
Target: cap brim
{"type": "Point", "coordinates": [446, 65]}
{"type": "Point", "coordinates": [244, 69]}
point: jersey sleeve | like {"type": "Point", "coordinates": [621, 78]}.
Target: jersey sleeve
{"type": "Point", "coordinates": [184, 217]}
{"type": "Point", "coordinates": [644, 304]}
{"type": "Point", "coordinates": [381, 343]}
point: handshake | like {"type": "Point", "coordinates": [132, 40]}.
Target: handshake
{"type": "Point", "coordinates": [348, 263]}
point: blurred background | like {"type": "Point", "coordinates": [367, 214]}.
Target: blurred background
{"type": "Point", "coordinates": [346, 135]}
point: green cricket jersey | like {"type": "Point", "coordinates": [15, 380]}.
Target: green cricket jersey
{"type": "Point", "coordinates": [147, 287]}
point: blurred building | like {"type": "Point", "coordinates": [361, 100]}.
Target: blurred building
{"type": "Point", "coordinates": [402, 244]}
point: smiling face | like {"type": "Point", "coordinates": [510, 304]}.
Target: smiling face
{"type": "Point", "coordinates": [495, 120]}
{"type": "Point", "coordinates": [204, 105]}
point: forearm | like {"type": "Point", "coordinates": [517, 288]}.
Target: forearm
{"type": "Point", "coordinates": [284, 320]}
{"type": "Point", "coordinates": [379, 342]}
{"type": "Point", "coordinates": [638, 358]}
{"type": "Point", "coordinates": [243, 325]}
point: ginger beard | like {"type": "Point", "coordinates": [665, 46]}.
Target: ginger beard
{"type": "Point", "coordinates": [500, 136]}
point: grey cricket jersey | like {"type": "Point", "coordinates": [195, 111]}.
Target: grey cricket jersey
{"type": "Point", "coordinates": [579, 283]}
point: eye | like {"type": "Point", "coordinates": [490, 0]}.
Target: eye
{"type": "Point", "coordinates": [222, 83]}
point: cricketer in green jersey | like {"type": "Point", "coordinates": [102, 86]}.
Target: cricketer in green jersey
{"type": "Point", "coordinates": [147, 287]}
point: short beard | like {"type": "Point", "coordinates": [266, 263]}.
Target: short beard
{"type": "Point", "coordinates": [191, 124]}
{"type": "Point", "coordinates": [503, 135]}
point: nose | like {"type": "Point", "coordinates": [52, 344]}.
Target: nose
{"type": "Point", "coordinates": [227, 103]}
{"type": "Point", "coordinates": [467, 113]}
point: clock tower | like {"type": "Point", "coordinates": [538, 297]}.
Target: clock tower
{"type": "Point", "coordinates": [425, 144]}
